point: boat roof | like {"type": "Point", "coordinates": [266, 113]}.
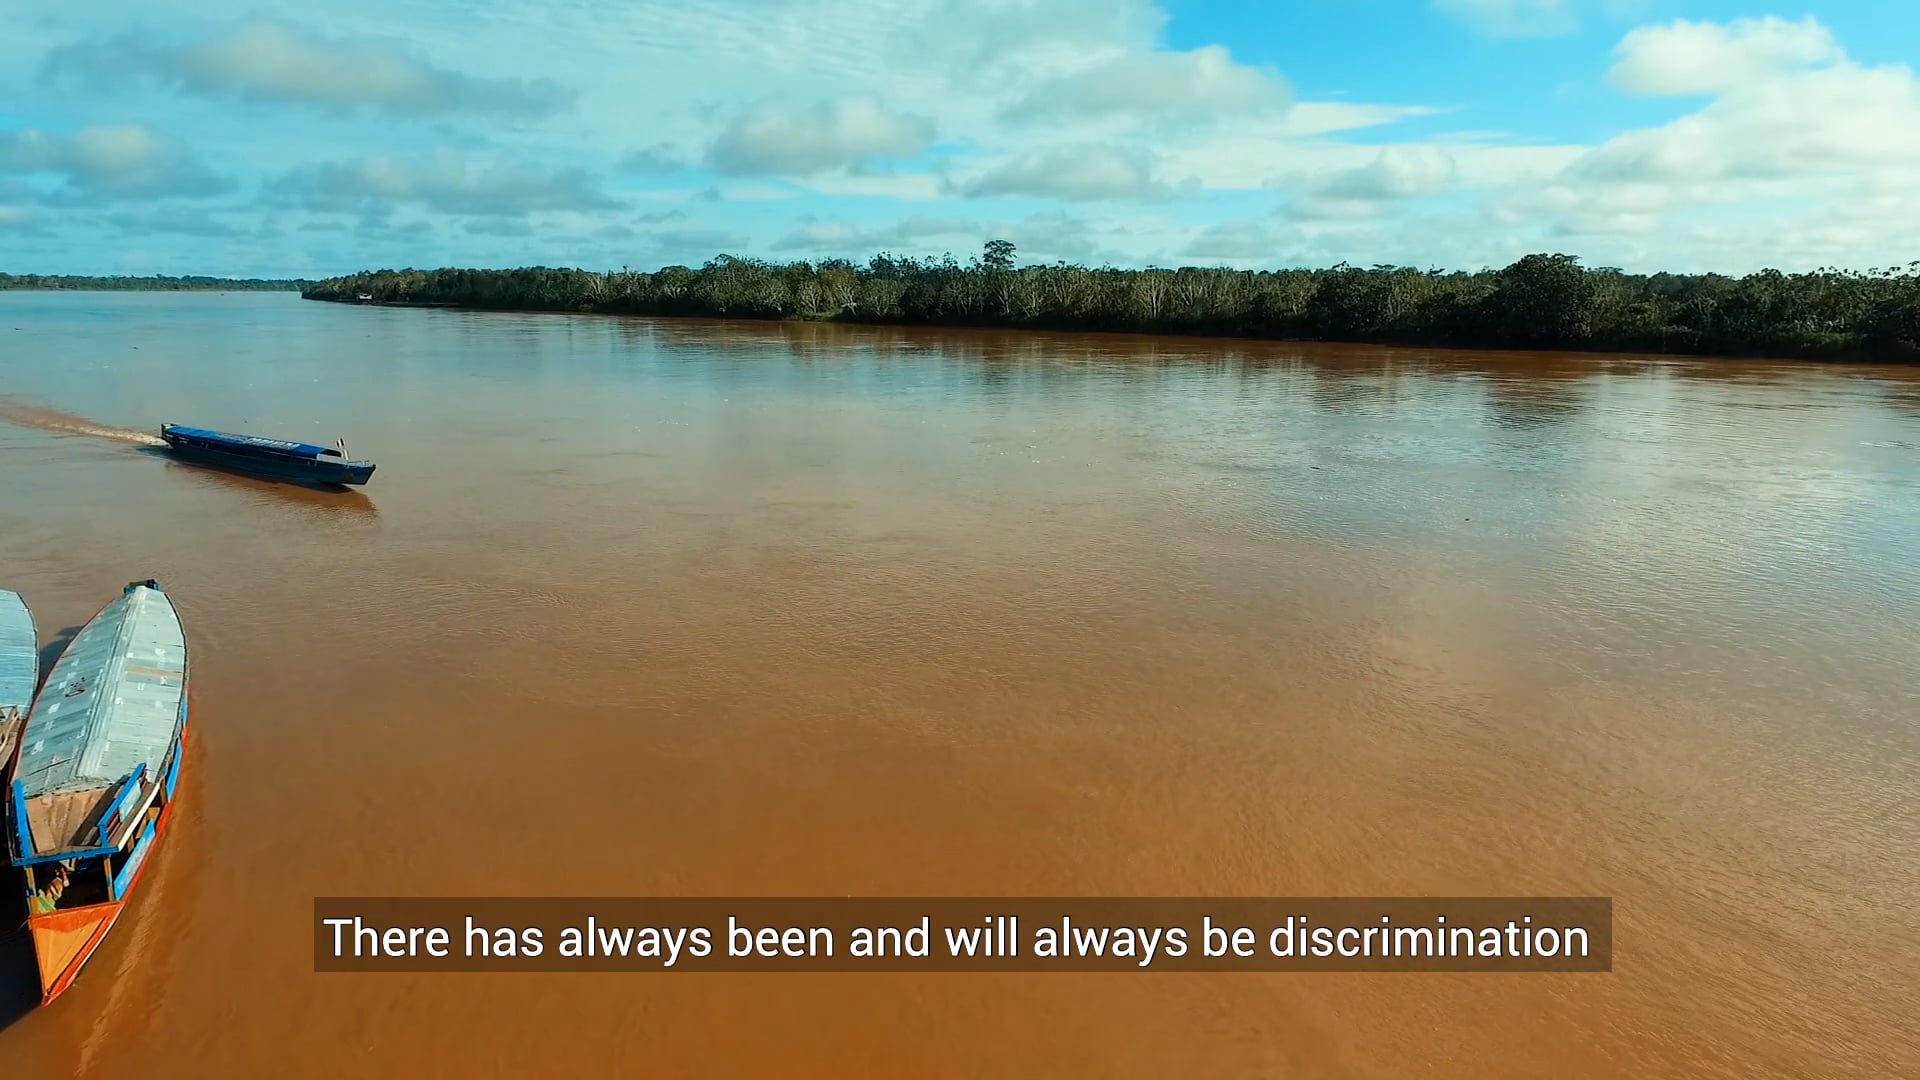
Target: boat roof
{"type": "Point", "coordinates": [307, 449]}
{"type": "Point", "coordinates": [19, 672]}
{"type": "Point", "coordinates": [113, 702]}
{"type": "Point", "coordinates": [19, 654]}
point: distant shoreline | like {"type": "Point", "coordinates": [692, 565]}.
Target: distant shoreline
{"type": "Point", "coordinates": [152, 283]}
{"type": "Point", "coordinates": [1541, 302]}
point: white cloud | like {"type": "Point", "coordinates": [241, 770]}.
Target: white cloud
{"type": "Point", "coordinates": [1047, 237]}
{"type": "Point", "coordinates": [443, 181]}
{"type": "Point", "coordinates": [1801, 157]}
{"type": "Point", "coordinates": [1683, 57]}
{"type": "Point", "coordinates": [149, 220]}
{"type": "Point", "coordinates": [1089, 171]}
{"type": "Point", "coordinates": [1205, 84]}
{"type": "Point", "coordinates": [888, 118]}
{"type": "Point", "coordinates": [118, 161]}
{"type": "Point", "coordinates": [1776, 121]}
{"type": "Point", "coordinates": [912, 186]}
{"type": "Point", "coordinates": [1256, 160]}
{"type": "Point", "coordinates": [996, 38]}
{"type": "Point", "coordinates": [1040, 237]}
{"type": "Point", "coordinates": [1513, 18]}
{"type": "Point", "coordinates": [1242, 241]}
{"type": "Point", "coordinates": [1333, 208]}
{"type": "Point", "coordinates": [656, 160]}
{"type": "Point", "coordinates": [497, 226]}
{"type": "Point", "coordinates": [823, 236]}
{"type": "Point", "coordinates": [1400, 172]}
{"type": "Point", "coordinates": [1587, 222]}
{"type": "Point", "coordinates": [1307, 118]}
{"type": "Point", "coordinates": [776, 138]}
{"type": "Point", "coordinates": [829, 237]}
{"type": "Point", "coordinates": [275, 61]}
{"type": "Point", "coordinates": [740, 192]}
{"type": "Point", "coordinates": [699, 243]}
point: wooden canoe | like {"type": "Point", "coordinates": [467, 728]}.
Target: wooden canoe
{"type": "Point", "coordinates": [93, 784]}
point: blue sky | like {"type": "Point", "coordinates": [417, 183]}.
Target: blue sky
{"type": "Point", "coordinates": [232, 137]}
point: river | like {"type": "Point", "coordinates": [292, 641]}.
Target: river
{"type": "Point", "coordinates": [654, 607]}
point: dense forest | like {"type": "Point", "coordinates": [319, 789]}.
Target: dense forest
{"type": "Point", "coordinates": [148, 284]}
{"type": "Point", "coordinates": [1540, 302]}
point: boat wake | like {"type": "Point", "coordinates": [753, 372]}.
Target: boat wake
{"type": "Point", "coordinates": [65, 423]}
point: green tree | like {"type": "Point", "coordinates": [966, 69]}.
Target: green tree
{"type": "Point", "coordinates": [1544, 300]}
{"type": "Point", "coordinates": [1540, 301]}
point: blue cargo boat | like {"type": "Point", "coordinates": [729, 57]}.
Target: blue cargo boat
{"type": "Point", "coordinates": [93, 789]}
{"type": "Point", "coordinates": [19, 673]}
{"type": "Point", "coordinates": [276, 458]}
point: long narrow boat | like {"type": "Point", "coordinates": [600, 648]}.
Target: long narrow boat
{"type": "Point", "coordinates": [93, 788]}
{"type": "Point", "coordinates": [302, 463]}
{"type": "Point", "coordinates": [19, 672]}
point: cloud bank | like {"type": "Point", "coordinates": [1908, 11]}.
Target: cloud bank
{"type": "Point", "coordinates": [1118, 130]}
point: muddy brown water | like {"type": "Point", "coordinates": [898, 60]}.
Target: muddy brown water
{"type": "Point", "coordinates": [695, 608]}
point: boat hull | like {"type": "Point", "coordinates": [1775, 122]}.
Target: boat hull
{"type": "Point", "coordinates": [64, 941]}
{"type": "Point", "coordinates": [95, 780]}
{"type": "Point", "coordinates": [19, 674]}
{"type": "Point", "coordinates": [311, 472]}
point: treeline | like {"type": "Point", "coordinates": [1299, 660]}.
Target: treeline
{"type": "Point", "coordinates": [154, 283]}
{"type": "Point", "coordinates": [1539, 302]}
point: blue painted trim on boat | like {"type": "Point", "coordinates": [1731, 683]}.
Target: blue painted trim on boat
{"type": "Point", "coordinates": [244, 442]}
{"type": "Point", "coordinates": [130, 788]}
{"type": "Point", "coordinates": [179, 748]}
{"type": "Point", "coordinates": [75, 853]}
{"type": "Point", "coordinates": [22, 836]}
{"type": "Point", "coordinates": [125, 877]}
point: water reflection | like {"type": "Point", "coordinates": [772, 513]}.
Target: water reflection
{"type": "Point", "coordinates": [1518, 402]}
{"type": "Point", "coordinates": [1349, 392]}
{"type": "Point", "coordinates": [1905, 396]}
{"type": "Point", "coordinates": [344, 503]}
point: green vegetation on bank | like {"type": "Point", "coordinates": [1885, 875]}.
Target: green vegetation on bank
{"type": "Point", "coordinates": [156, 283]}
{"type": "Point", "coordinates": [1540, 302]}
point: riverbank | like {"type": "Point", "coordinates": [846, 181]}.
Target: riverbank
{"type": "Point", "coordinates": [154, 283]}
{"type": "Point", "coordinates": [1540, 302]}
